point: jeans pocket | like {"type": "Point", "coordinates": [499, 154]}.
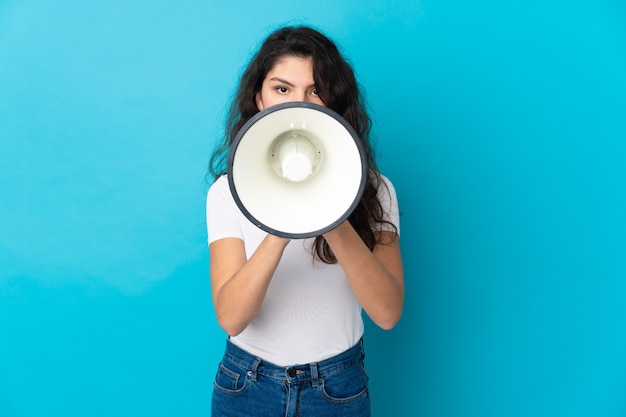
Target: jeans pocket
{"type": "Point", "coordinates": [231, 379]}
{"type": "Point", "coordinates": [345, 387]}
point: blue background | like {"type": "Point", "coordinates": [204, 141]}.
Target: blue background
{"type": "Point", "coordinates": [502, 125]}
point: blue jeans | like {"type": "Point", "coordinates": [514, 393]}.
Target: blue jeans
{"type": "Point", "coordinates": [247, 386]}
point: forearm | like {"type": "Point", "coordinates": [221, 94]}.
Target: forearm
{"type": "Point", "coordinates": [375, 277]}
{"type": "Point", "coordinates": [241, 285]}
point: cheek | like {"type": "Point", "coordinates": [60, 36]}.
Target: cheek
{"type": "Point", "coordinates": [319, 101]}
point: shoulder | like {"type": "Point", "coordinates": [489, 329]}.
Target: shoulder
{"type": "Point", "coordinates": [219, 184]}
{"type": "Point", "coordinates": [219, 189]}
{"type": "Point", "coordinates": [219, 196]}
{"type": "Point", "coordinates": [386, 181]}
{"type": "Point", "coordinates": [222, 215]}
{"type": "Point", "coordinates": [386, 194]}
{"type": "Point", "coordinates": [385, 189]}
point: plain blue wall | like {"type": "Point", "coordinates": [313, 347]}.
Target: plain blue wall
{"type": "Point", "coordinates": [501, 125]}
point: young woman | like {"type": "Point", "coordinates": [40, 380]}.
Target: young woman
{"type": "Point", "coordinates": [292, 308]}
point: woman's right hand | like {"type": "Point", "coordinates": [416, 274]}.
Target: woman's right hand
{"type": "Point", "coordinates": [238, 284]}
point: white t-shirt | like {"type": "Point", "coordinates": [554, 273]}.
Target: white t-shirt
{"type": "Point", "coordinates": [309, 312]}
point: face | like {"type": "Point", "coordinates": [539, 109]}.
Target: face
{"type": "Point", "coordinates": [291, 79]}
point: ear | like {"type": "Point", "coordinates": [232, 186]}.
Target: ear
{"type": "Point", "coordinates": [259, 101]}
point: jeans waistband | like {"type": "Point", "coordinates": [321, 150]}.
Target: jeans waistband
{"type": "Point", "coordinates": [313, 371]}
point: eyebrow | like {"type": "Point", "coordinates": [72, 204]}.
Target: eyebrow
{"type": "Point", "coordinates": [280, 80]}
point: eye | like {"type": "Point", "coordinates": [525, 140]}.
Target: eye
{"type": "Point", "coordinates": [314, 92]}
{"type": "Point", "coordinates": [282, 90]}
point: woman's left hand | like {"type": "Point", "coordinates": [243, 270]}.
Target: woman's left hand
{"type": "Point", "coordinates": [376, 277]}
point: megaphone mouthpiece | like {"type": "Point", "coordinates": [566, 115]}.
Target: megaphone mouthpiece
{"type": "Point", "coordinates": [295, 157]}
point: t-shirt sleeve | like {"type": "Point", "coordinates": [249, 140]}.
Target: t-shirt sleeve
{"type": "Point", "coordinates": [222, 213]}
{"type": "Point", "coordinates": [389, 202]}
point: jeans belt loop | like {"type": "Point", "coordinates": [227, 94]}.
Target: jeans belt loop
{"type": "Point", "coordinates": [253, 368]}
{"type": "Point", "coordinates": [315, 379]}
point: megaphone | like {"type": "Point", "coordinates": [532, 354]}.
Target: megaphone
{"type": "Point", "coordinates": [297, 169]}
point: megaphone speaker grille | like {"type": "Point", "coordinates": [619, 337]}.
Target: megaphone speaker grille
{"type": "Point", "coordinates": [297, 170]}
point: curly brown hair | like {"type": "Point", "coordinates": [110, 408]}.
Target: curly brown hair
{"type": "Point", "coordinates": [338, 89]}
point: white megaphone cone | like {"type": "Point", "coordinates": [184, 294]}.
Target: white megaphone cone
{"type": "Point", "coordinates": [297, 170]}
